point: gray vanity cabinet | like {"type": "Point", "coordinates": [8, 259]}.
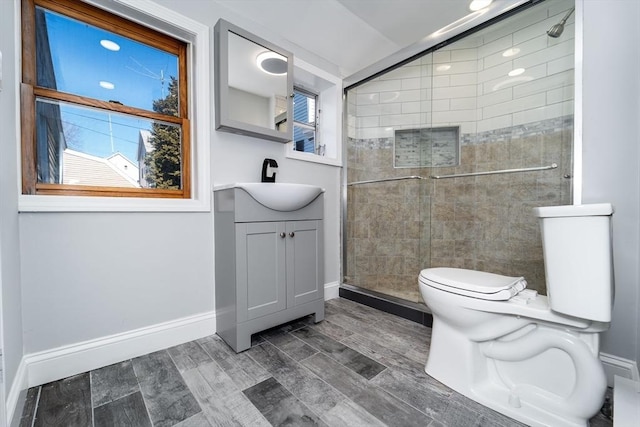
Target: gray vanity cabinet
{"type": "Point", "coordinates": [269, 265]}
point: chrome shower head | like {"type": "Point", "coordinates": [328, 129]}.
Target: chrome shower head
{"type": "Point", "coordinates": [557, 29]}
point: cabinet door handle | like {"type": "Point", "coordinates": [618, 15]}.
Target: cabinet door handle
{"type": "Point", "coordinates": [292, 234]}
{"type": "Point", "coordinates": [282, 235]}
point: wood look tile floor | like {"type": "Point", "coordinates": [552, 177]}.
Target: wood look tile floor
{"type": "Point", "coordinates": [359, 367]}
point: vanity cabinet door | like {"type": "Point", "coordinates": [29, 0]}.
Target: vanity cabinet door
{"type": "Point", "coordinates": [260, 269]}
{"type": "Point", "coordinates": [304, 262]}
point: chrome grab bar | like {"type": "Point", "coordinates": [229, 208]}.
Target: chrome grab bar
{"type": "Point", "coordinates": [399, 178]}
{"type": "Point", "coordinates": [458, 175]}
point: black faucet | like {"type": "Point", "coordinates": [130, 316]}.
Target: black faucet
{"type": "Point", "coordinates": [272, 163]}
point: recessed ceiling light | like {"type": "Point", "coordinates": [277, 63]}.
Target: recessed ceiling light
{"type": "Point", "coordinates": [443, 67]}
{"type": "Point", "coordinates": [511, 52]}
{"type": "Point", "coordinates": [107, 85]}
{"type": "Point", "coordinates": [516, 72]}
{"type": "Point", "coordinates": [110, 45]}
{"type": "Point", "coordinates": [272, 63]}
{"type": "Point", "coordinates": [479, 4]}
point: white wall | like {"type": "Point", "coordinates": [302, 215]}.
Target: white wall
{"type": "Point", "coordinates": [10, 298]}
{"type": "Point", "coordinates": [611, 137]}
{"type": "Point", "coordinates": [90, 275]}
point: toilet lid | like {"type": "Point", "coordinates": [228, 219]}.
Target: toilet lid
{"type": "Point", "coordinates": [476, 284]}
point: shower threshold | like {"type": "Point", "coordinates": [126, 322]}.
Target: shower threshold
{"type": "Point", "coordinates": [413, 311]}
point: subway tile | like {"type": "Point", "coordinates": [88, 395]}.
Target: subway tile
{"type": "Point", "coordinates": [441, 81]}
{"type": "Point", "coordinates": [464, 103]}
{"type": "Point", "coordinates": [549, 54]}
{"type": "Point", "coordinates": [544, 83]}
{"type": "Point", "coordinates": [454, 116]}
{"type": "Point", "coordinates": [367, 99]}
{"type": "Point", "coordinates": [454, 92]}
{"type": "Point", "coordinates": [562, 94]}
{"type": "Point", "coordinates": [470, 54]}
{"type": "Point", "coordinates": [411, 84]}
{"type": "Point", "coordinates": [464, 79]}
{"type": "Point", "coordinates": [495, 97]}
{"type": "Point", "coordinates": [531, 74]}
{"type": "Point", "coordinates": [380, 86]}
{"type": "Point", "coordinates": [498, 45]}
{"type": "Point", "coordinates": [514, 106]}
{"type": "Point", "coordinates": [561, 64]}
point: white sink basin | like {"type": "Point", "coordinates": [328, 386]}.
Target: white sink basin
{"type": "Point", "coordinates": [281, 196]}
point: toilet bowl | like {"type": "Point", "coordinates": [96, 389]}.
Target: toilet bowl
{"type": "Point", "coordinates": [531, 357]}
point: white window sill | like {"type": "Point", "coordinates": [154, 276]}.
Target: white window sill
{"type": "Point", "coordinates": [29, 203]}
{"type": "Point", "coordinates": [308, 157]}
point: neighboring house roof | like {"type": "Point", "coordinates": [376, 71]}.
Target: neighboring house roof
{"type": "Point", "coordinates": [125, 165]}
{"type": "Point", "coordinates": [85, 169]}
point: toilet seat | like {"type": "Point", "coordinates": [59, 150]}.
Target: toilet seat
{"type": "Point", "coordinates": [474, 284]}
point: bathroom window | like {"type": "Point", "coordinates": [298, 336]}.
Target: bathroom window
{"type": "Point", "coordinates": [317, 116]}
{"type": "Point", "coordinates": [305, 122]}
{"type": "Point", "coordinates": [104, 105]}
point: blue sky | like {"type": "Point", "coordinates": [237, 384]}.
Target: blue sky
{"type": "Point", "coordinates": [80, 63]}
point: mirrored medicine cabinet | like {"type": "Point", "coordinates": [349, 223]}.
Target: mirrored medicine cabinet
{"type": "Point", "coordinates": [253, 85]}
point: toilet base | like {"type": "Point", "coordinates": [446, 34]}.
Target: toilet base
{"type": "Point", "coordinates": [527, 376]}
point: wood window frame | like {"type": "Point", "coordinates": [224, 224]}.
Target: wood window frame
{"type": "Point", "coordinates": [29, 90]}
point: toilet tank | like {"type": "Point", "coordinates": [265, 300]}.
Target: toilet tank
{"type": "Point", "coordinates": [578, 261]}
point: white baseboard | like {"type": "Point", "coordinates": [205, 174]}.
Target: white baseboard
{"type": "Point", "coordinates": [17, 394]}
{"type": "Point", "coordinates": [614, 365]}
{"type": "Point", "coordinates": [62, 362]}
{"type": "Point", "coordinates": [331, 290]}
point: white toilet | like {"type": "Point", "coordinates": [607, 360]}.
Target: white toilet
{"type": "Point", "coordinates": [531, 357]}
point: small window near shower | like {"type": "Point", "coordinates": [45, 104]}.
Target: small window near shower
{"type": "Point", "coordinates": [427, 147]}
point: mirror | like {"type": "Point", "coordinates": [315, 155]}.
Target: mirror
{"type": "Point", "coordinates": [253, 83]}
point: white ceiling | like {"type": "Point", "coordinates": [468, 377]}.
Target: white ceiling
{"type": "Point", "coordinates": [352, 34]}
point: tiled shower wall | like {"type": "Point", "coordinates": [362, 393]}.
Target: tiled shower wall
{"type": "Point", "coordinates": [394, 229]}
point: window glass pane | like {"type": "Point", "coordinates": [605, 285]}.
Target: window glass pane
{"type": "Point", "coordinates": [304, 108]}
{"type": "Point", "coordinates": [304, 139]}
{"type": "Point", "coordinates": [85, 146]}
{"type": "Point", "coordinates": [84, 60]}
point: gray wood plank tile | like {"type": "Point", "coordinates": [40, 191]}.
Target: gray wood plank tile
{"type": "Point", "coordinates": [188, 356]}
{"type": "Point", "coordinates": [239, 366]}
{"type": "Point", "coordinates": [65, 403]}
{"type": "Point", "coordinates": [113, 382]}
{"type": "Point", "coordinates": [377, 402]}
{"type": "Point", "coordinates": [332, 330]}
{"type": "Point", "coordinates": [416, 351]}
{"type": "Point", "coordinates": [348, 413]}
{"type": "Point", "coordinates": [349, 357]}
{"type": "Point", "coordinates": [127, 411]}
{"type": "Point", "coordinates": [198, 420]}
{"type": "Point", "coordinates": [30, 405]}
{"type": "Point", "coordinates": [429, 400]}
{"type": "Point", "coordinates": [168, 398]}
{"type": "Point", "coordinates": [486, 416]}
{"type": "Point", "coordinates": [279, 406]}
{"type": "Point", "coordinates": [315, 393]}
{"type": "Point", "coordinates": [385, 355]}
{"type": "Point", "coordinates": [292, 346]}
{"type": "Point", "coordinates": [221, 401]}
